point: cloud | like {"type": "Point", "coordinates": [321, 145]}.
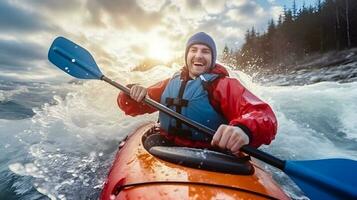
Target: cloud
{"type": "Point", "coordinates": [118, 31]}
{"type": "Point", "coordinates": [20, 54]}
{"type": "Point", "coordinates": [23, 60]}
{"type": "Point", "coordinates": [231, 24]}
{"type": "Point", "coordinates": [275, 11]}
{"type": "Point", "coordinates": [213, 6]}
{"type": "Point", "coordinates": [17, 19]}
{"type": "Point", "coordinates": [235, 3]}
{"type": "Point", "coordinates": [190, 9]}
{"type": "Point", "coordinates": [247, 11]}
{"type": "Point", "coordinates": [152, 5]}
{"type": "Point", "coordinates": [52, 5]}
{"type": "Point", "coordinates": [236, 16]}
{"type": "Point", "coordinates": [250, 8]}
{"type": "Point", "coordinates": [122, 14]}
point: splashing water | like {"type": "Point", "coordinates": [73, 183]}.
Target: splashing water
{"type": "Point", "coordinates": [65, 148]}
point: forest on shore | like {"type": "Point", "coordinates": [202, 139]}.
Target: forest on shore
{"type": "Point", "coordinates": [330, 25]}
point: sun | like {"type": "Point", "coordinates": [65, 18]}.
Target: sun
{"type": "Point", "coordinates": [159, 49]}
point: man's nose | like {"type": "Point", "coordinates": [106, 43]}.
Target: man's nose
{"type": "Point", "coordinates": [199, 54]}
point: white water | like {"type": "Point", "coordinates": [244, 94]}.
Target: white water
{"type": "Point", "coordinates": [65, 150]}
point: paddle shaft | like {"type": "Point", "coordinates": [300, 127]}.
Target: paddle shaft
{"type": "Point", "coordinates": [210, 132]}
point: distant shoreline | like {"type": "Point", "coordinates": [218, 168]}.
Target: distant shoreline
{"type": "Point", "coordinates": [339, 66]}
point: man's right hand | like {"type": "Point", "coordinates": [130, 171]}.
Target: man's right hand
{"type": "Point", "coordinates": [138, 92]}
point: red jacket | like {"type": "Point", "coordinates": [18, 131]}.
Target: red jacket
{"type": "Point", "coordinates": [238, 105]}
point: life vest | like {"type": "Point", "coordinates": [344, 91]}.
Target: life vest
{"type": "Point", "coordinates": [191, 99]}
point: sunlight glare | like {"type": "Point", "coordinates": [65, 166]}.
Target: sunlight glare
{"type": "Point", "coordinates": [159, 49]}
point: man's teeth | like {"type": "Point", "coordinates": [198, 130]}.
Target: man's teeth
{"type": "Point", "coordinates": [197, 63]}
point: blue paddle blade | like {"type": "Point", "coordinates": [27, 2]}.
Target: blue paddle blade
{"type": "Point", "coordinates": [325, 179]}
{"type": "Point", "coordinates": [73, 59]}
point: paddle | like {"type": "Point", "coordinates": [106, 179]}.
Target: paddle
{"type": "Point", "coordinates": [319, 179]}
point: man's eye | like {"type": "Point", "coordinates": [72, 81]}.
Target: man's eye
{"type": "Point", "coordinates": [193, 50]}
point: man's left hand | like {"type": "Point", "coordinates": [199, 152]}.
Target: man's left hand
{"type": "Point", "coordinates": [230, 138]}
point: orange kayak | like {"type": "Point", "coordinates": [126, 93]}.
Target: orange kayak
{"type": "Point", "coordinates": [146, 168]}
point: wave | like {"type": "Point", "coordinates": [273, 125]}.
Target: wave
{"type": "Point", "coordinates": [12, 110]}
{"type": "Point", "coordinates": [69, 144]}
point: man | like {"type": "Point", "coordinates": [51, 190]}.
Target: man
{"type": "Point", "coordinates": [203, 92]}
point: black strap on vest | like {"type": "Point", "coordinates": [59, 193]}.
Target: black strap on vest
{"type": "Point", "coordinates": [178, 102]}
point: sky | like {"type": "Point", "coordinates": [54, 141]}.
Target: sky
{"type": "Point", "coordinates": [122, 32]}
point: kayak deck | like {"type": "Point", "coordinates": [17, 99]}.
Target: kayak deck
{"type": "Point", "coordinates": [136, 174]}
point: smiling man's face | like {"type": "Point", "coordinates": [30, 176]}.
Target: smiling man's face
{"type": "Point", "coordinates": [199, 59]}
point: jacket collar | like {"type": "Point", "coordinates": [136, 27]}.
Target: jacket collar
{"type": "Point", "coordinates": [217, 69]}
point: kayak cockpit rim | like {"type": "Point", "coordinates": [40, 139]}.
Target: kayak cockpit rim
{"type": "Point", "coordinates": [203, 159]}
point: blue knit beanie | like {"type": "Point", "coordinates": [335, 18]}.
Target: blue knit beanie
{"type": "Point", "coordinates": [202, 38]}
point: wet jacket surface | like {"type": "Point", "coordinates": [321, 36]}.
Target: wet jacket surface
{"type": "Point", "coordinates": [229, 97]}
